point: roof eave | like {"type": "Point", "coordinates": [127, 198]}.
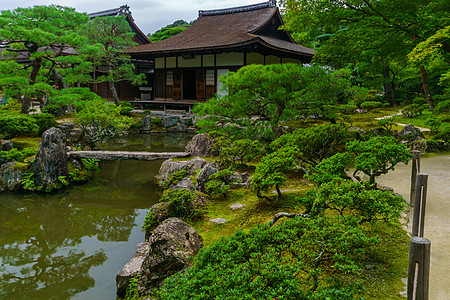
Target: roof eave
{"type": "Point", "coordinates": [223, 48]}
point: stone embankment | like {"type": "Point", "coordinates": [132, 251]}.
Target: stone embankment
{"type": "Point", "coordinates": [120, 155]}
{"type": "Point", "coordinates": [167, 251]}
{"type": "Point", "coordinates": [169, 248]}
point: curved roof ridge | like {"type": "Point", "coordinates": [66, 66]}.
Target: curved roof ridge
{"type": "Point", "coordinates": [122, 10]}
{"type": "Point", "coordinates": [215, 12]}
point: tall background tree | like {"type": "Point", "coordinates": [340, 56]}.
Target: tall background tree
{"type": "Point", "coordinates": [109, 37]}
{"type": "Point", "coordinates": [169, 30]}
{"type": "Point", "coordinates": [380, 33]}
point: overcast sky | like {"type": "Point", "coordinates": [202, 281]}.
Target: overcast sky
{"type": "Point", "coordinates": [149, 15]}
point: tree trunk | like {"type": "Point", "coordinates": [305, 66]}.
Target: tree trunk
{"type": "Point", "coordinates": [426, 91]}
{"type": "Point", "coordinates": [25, 105]}
{"type": "Point", "coordinates": [59, 81]}
{"type": "Point", "coordinates": [33, 75]}
{"type": "Point", "coordinates": [277, 187]}
{"type": "Point", "coordinates": [35, 71]}
{"type": "Point", "coordinates": [114, 93]}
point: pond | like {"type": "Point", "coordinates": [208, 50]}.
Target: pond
{"type": "Point", "coordinates": [71, 244]}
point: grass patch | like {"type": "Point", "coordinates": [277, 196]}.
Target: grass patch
{"type": "Point", "coordinates": [418, 121]}
{"type": "Point", "coordinates": [389, 264]}
{"type": "Point", "coordinates": [25, 142]}
{"type": "Point", "coordinates": [254, 212]}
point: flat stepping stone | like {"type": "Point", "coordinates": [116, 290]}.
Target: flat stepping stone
{"type": "Point", "coordinates": [218, 221]}
{"type": "Point", "coordinates": [236, 206]}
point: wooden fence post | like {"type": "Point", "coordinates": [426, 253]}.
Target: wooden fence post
{"type": "Point", "coordinates": [414, 171]}
{"type": "Point", "coordinates": [419, 209]}
{"type": "Point", "coordinates": [419, 268]}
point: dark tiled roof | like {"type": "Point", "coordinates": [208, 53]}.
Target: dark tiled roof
{"type": "Point", "coordinates": [225, 29]}
{"type": "Point", "coordinates": [120, 11]}
{"type": "Point", "coordinates": [281, 44]}
{"type": "Point", "coordinates": [124, 10]}
{"type": "Point", "coordinates": [233, 10]}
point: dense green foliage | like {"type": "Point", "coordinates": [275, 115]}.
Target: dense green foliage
{"type": "Point", "coordinates": [108, 37]}
{"type": "Point", "coordinates": [181, 202]}
{"type": "Point", "coordinates": [78, 97]}
{"type": "Point", "coordinates": [315, 143]}
{"type": "Point", "coordinates": [274, 93]}
{"type": "Point", "coordinates": [399, 45]}
{"type": "Point", "coordinates": [242, 151]}
{"type": "Point", "coordinates": [39, 34]}
{"type": "Point", "coordinates": [272, 169]}
{"type": "Point", "coordinates": [174, 178]}
{"type": "Point", "coordinates": [169, 30]}
{"type": "Point", "coordinates": [218, 185]}
{"type": "Point", "coordinates": [16, 155]}
{"type": "Point", "coordinates": [346, 197]}
{"type": "Point", "coordinates": [44, 121]}
{"type": "Point", "coordinates": [101, 119]}
{"type": "Point", "coordinates": [321, 257]}
{"type": "Point", "coordinates": [377, 156]}
{"type": "Point", "coordinates": [12, 125]}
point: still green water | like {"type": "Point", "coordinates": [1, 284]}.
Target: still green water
{"type": "Point", "coordinates": [71, 244]}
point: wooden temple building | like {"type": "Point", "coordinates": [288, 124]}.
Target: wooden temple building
{"type": "Point", "coordinates": [187, 66]}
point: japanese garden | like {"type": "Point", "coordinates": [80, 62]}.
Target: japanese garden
{"type": "Point", "coordinates": [258, 152]}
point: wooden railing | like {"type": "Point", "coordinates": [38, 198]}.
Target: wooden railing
{"type": "Point", "coordinates": [420, 247]}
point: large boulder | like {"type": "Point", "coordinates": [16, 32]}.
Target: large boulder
{"type": "Point", "coordinates": [147, 123]}
{"type": "Point", "coordinates": [132, 269]}
{"type": "Point", "coordinates": [161, 211]}
{"type": "Point", "coordinates": [200, 145]}
{"type": "Point", "coordinates": [240, 180]}
{"type": "Point", "coordinates": [412, 133]}
{"type": "Point", "coordinates": [420, 145]}
{"type": "Point", "coordinates": [169, 121]}
{"type": "Point", "coordinates": [6, 145]}
{"type": "Point", "coordinates": [172, 246]}
{"type": "Point", "coordinates": [203, 176]}
{"type": "Point", "coordinates": [185, 183]}
{"type": "Point", "coordinates": [169, 166]}
{"type": "Point", "coordinates": [10, 176]}
{"type": "Point", "coordinates": [51, 159]}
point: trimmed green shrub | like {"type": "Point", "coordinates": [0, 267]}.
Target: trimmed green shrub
{"type": "Point", "coordinates": [16, 155]}
{"type": "Point", "coordinates": [181, 202]}
{"type": "Point", "coordinates": [12, 125]}
{"type": "Point", "coordinates": [369, 105]}
{"type": "Point", "coordinates": [53, 109]}
{"type": "Point", "coordinates": [44, 121]}
{"type": "Point", "coordinates": [217, 189]}
{"type": "Point", "coordinates": [174, 178]}
{"type": "Point", "coordinates": [386, 123]}
{"type": "Point", "coordinates": [413, 110]}
{"type": "Point", "coordinates": [244, 150]}
{"type": "Point", "coordinates": [125, 108]}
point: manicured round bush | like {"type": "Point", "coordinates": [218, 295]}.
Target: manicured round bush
{"type": "Point", "coordinates": [44, 121]}
{"type": "Point", "coordinates": [12, 125]}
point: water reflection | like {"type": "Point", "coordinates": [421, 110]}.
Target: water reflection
{"type": "Point", "coordinates": [57, 246]}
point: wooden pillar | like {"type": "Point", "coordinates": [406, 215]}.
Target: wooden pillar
{"type": "Point", "coordinates": [414, 171]}
{"type": "Point", "coordinates": [419, 268]}
{"type": "Point", "coordinates": [419, 209]}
